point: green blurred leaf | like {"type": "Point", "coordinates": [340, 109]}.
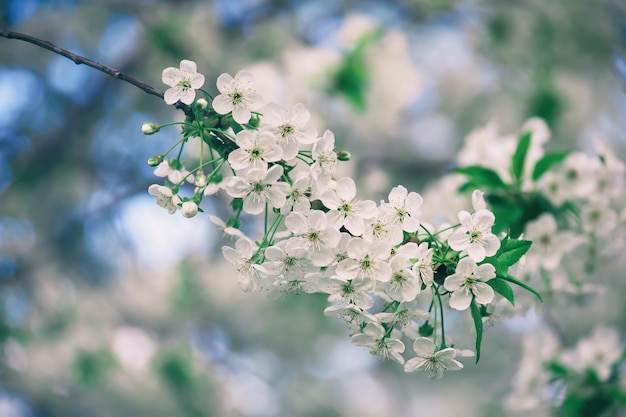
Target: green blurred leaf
{"type": "Point", "coordinates": [187, 295]}
{"type": "Point", "coordinates": [175, 370]}
{"type": "Point", "coordinates": [352, 77]}
{"type": "Point", "coordinates": [571, 406]}
{"type": "Point", "coordinates": [478, 325]}
{"type": "Point", "coordinates": [90, 368]}
{"type": "Point", "coordinates": [508, 213]}
{"type": "Point", "coordinates": [544, 164]}
{"type": "Point", "coordinates": [523, 285]}
{"type": "Point", "coordinates": [519, 157]}
{"type": "Point", "coordinates": [557, 369]}
{"type": "Point", "coordinates": [484, 177]}
{"type": "Point", "coordinates": [501, 287]}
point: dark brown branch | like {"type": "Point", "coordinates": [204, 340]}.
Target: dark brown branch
{"type": "Point", "coordinates": [78, 60]}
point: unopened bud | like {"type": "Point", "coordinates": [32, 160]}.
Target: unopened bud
{"type": "Point", "coordinates": [149, 128]}
{"type": "Point", "coordinates": [343, 155]}
{"type": "Point", "coordinates": [202, 103]}
{"type": "Point", "coordinates": [189, 209]}
{"type": "Point", "coordinates": [155, 160]}
{"type": "Point", "coordinates": [201, 180]}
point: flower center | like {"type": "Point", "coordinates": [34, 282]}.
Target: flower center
{"type": "Point", "coordinates": [185, 85]}
{"type": "Point", "coordinates": [545, 240]}
{"type": "Point", "coordinates": [258, 187]}
{"type": "Point", "coordinates": [236, 97]}
{"type": "Point", "coordinates": [401, 213]}
{"type": "Point", "coordinates": [398, 278]}
{"type": "Point", "coordinates": [255, 153]}
{"type": "Point", "coordinates": [313, 236]}
{"type": "Point", "coordinates": [366, 263]}
{"type": "Point", "coordinates": [474, 235]}
{"type": "Point", "coordinates": [286, 130]}
{"type": "Point", "coordinates": [345, 208]}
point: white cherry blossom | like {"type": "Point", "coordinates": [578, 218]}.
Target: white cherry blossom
{"type": "Point", "coordinates": [242, 258]}
{"type": "Point", "coordinates": [474, 235]}
{"type": "Point", "coordinates": [297, 199]}
{"type": "Point", "coordinates": [258, 188]}
{"type": "Point", "coordinates": [288, 259]}
{"type": "Point", "coordinates": [430, 360]}
{"type": "Point", "coordinates": [355, 292]}
{"type": "Point", "coordinates": [380, 228]}
{"type": "Point", "coordinates": [423, 266]}
{"type": "Point", "coordinates": [374, 338]}
{"type": "Point", "coordinates": [598, 353]}
{"type": "Point", "coordinates": [174, 175]}
{"type": "Point", "coordinates": [165, 197]}
{"type": "Point", "coordinates": [290, 127]}
{"type": "Point", "coordinates": [345, 209]}
{"type": "Point", "coordinates": [367, 261]}
{"type": "Point", "coordinates": [255, 150]}
{"type": "Point", "coordinates": [183, 82]}
{"type": "Point", "coordinates": [468, 282]}
{"type": "Point", "coordinates": [403, 208]}
{"type": "Point", "coordinates": [313, 232]}
{"type": "Point", "coordinates": [324, 156]}
{"type": "Point", "coordinates": [237, 96]}
{"type": "Point", "coordinates": [549, 244]}
{"type": "Point", "coordinates": [404, 314]}
{"type": "Point", "coordinates": [404, 284]}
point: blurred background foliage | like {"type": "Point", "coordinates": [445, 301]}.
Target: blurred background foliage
{"type": "Point", "coordinates": [111, 307]}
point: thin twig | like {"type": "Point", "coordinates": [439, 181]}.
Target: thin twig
{"type": "Point", "coordinates": [78, 60]}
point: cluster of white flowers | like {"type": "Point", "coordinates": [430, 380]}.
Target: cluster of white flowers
{"type": "Point", "coordinates": [576, 378]}
{"type": "Point", "coordinates": [386, 271]}
{"type": "Point", "coordinates": [570, 203]}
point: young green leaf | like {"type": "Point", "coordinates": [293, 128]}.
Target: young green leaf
{"type": "Point", "coordinates": [485, 177]}
{"type": "Point", "coordinates": [523, 285]}
{"type": "Point", "coordinates": [519, 157]}
{"type": "Point", "coordinates": [548, 161]}
{"type": "Point", "coordinates": [478, 325]}
{"type": "Point", "coordinates": [512, 250]}
{"type": "Point", "coordinates": [501, 287]}
{"type": "Point", "coordinates": [501, 270]}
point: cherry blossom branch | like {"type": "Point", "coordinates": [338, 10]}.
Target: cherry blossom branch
{"type": "Point", "coordinates": [78, 60]}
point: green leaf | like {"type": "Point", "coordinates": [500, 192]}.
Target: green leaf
{"type": "Point", "coordinates": [525, 286]}
{"type": "Point", "coordinates": [507, 212]}
{"type": "Point", "coordinates": [519, 157]}
{"type": "Point", "coordinates": [572, 406]}
{"type": "Point", "coordinates": [512, 250]}
{"type": "Point", "coordinates": [557, 369]}
{"type": "Point", "coordinates": [485, 177]}
{"type": "Point", "coordinates": [468, 187]}
{"type": "Point", "coordinates": [501, 287]}
{"type": "Point", "coordinates": [500, 270]}
{"type": "Point", "coordinates": [548, 161]}
{"type": "Point", "coordinates": [478, 324]}
{"type": "Point", "coordinates": [236, 126]}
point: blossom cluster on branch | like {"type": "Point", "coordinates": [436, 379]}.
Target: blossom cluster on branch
{"type": "Point", "coordinates": [388, 273]}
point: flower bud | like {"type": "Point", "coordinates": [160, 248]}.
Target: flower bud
{"type": "Point", "coordinates": [189, 209]}
{"type": "Point", "coordinates": [155, 160]}
{"type": "Point", "coordinates": [149, 128]}
{"type": "Point", "coordinates": [202, 103]}
{"type": "Point", "coordinates": [201, 179]}
{"type": "Point", "coordinates": [343, 155]}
